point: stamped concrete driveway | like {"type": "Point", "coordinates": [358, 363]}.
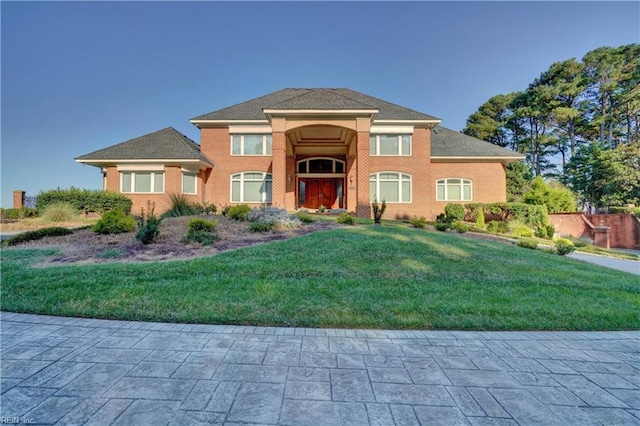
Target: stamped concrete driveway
{"type": "Point", "coordinates": [96, 372]}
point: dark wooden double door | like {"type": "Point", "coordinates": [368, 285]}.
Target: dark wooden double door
{"type": "Point", "coordinates": [318, 192]}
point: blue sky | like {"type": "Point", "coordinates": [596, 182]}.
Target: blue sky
{"type": "Point", "coordinates": [80, 76]}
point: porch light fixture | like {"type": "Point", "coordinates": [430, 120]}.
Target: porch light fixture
{"type": "Point", "coordinates": [351, 179]}
{"type": "Point", "coordinates": [289, 179]}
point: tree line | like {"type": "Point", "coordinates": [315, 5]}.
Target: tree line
{"type": "Point", "coordinates": [577, 123]}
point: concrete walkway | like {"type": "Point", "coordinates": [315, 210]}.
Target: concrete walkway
{"type": "Point", "coordinates": [81, 371]}
{"type": "Point", "coordinates": [631, 266]}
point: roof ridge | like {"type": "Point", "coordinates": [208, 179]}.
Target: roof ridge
{"type": "Point", "coordinates": [349, 97]}
{"type": "Point", "coordinates": [306, 92]}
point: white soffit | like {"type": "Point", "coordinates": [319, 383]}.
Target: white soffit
{"type": "Point", "coordinates": [378, 129]}
{"type": "Point", "coordinates": [248, 129]}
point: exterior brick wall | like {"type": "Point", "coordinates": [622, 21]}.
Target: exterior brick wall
{"type": "Point", "coordinates": [489, 183]}
{"type": "Point", "coordinates": [363, 206]}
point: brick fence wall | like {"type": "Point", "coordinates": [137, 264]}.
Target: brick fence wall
{"type": "Point", "coordinates": [624, 228]}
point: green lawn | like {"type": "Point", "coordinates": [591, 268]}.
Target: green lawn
{"type": "Point", "coordinates": [368, 276]}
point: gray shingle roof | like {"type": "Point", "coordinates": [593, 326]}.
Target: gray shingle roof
{"type": "Point", "coordinates": [449, 143]}
{"type": "Point", "coordinates": [318, 98]}
{"type": "Point", "coordinates": [167, 144]}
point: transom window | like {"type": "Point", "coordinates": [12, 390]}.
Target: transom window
{"type": "Point", "coordinates": [454, 189]}
{"type": "Point", "coordinates": [320, 165]}
{"type": "Point", "coordinates": [142, 182]}
{"type": "Point", "coordinates": [390, 145]}
{"type": "Point", "coordinates": [391, 187]}
{"type": "Point", "coordinates": [251, 144]}
{"type": "Point", "coordinates": [251, 187]}
{"type": "Point", "coordinates": [189, 183]}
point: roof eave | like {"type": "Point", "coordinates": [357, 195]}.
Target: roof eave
{"type": "Point", "coordinates": [471, 159]}
{"type": "Point", "coordinates": [104, 162]}
{"type": "Point", "coordinates": [223, 123]}
{"type": "Point", "coordinates": [428, 123]}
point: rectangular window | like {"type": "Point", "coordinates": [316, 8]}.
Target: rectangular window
{"type": "Point", "coordinates": [189, 181]}
{"type": "Point", "coordinates": [390, 145]}
{"type": "Point", "coordinates": [251, 187]}
{"type": "Point", "coordinates": [390, 187]}
{"type": "Point", "coordinates": [142, 182]}
{"type": "Point", "coordinates": [251, 144]}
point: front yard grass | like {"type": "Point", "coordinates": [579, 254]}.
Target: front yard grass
{"type": "Point", "coordinates": [363, 276]}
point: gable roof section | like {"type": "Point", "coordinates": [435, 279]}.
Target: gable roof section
{"type": "Point", "coordinates": [317, 99]}
{"type": "Point", "coordinates": [447, 143]}
{"type": "Point", "coordinates": [165, 144]}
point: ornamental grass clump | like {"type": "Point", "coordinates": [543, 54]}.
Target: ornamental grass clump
{"type": "Point", "coordinates": [60, 212]}
{"type": "Point", "coordinates": [180, 206]}
{"type": "Point", "coordinates": [378, 211]}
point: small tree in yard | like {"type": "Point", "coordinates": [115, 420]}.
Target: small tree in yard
{"type": "Point", "coordinates": [148, 225]}
{"type": "Point", "coordinates": [378, 211]}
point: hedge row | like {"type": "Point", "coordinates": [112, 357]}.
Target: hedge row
{"type": "Point", "coordinates": [529, 214]}
{"type": "Point", "coordinates": [85, 200]}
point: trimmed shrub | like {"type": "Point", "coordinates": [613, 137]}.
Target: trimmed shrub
{"type": "Point", "coordinates": [529, 243]}
{"type": "Point", "coordinates": [442, 226]}
{"type": "Point", "coordinates": [528, 214]}
{"type": "Point", "coordinates": [418, 222]}
{"type": "Point", "coordinates": [239, 212]}
{"type": "Point", "coordinates": [201, 231]}
{"type": "Point", "coordinates": [305, 217]}
{"type": "Point", "coordinates": [378, 210]}
{"type": "Point", "coordinates": [59, 212]}
{"type": "Point", "coordinates": [346, 219]}
{"type": "Point", "coordinates": [148, 225]}
{"type": "Point", "coordinates": [579, 242]}
{"type": "Point", "coordinates": [460, 226]}
{"type": "Point", "coordinates": [84, 200]}
{"type": "Point", "coordinates": [16, 214]}
{"type": "Point", "coordinates": [564, 246]}
{"type": "Point", "coordinates": [499, 227]}
{"type": "Point", "coordinates": [36, 235]}
{"type": "Point", "coordinates": [322, 209]}
{"type": "Point", "coordinates": [260, 227]}
{"type": "Point", "coordinates": [454, 212]}
{"type": "Point", "coordinates": [180, 206]}
{"type": "Point", "coordinates": [114, 222]}
{"type": "Point", "coordinates": [546, 231]}
{"type": "Point", "coordinates": [480, 217]}
{"type": "Point", "coordinates": [520, 230]}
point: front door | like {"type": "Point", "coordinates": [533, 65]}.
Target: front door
{"type": "Point", "coordinates": [321, 192]}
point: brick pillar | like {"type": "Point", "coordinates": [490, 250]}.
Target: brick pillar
{"type": "Point", "coordinates": [279, 171]}
{"type": "Point", "coordinates": [350, 191]}
{"type": "Point", "coordinates": [602, 236]}
{"type": "Point", "coordinates": [18, 199]}
{"type": "Point", "coordinates": [290, 196]}
{"type": "Point", "coordinates": [363, 207]}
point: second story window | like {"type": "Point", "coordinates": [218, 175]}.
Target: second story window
{"type": "Point", "coordinates": [390, 145]}
{"type": "Point", "coordinates": [251, 144]}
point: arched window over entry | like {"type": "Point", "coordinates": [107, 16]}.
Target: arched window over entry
{"type": "Point", "coordinates": [321, 165]}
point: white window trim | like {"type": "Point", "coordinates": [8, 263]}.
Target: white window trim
{"type": "Point", "coordinates": [399, 136]}
{"type": "Point", "coordinates": [242, 180]}
{"type": "Point", "coordinates": [445, 182]}
{"type": "Point", "coordinates": [333, 167]}
{"type": "Point", "coordinates": [242, 154]}
{"type": "Point", "coordinates": [133, 182]}
{"type": "Point", "coordinates": [400, 181]}
{"type": "Point", "coordinates": [195, 174]}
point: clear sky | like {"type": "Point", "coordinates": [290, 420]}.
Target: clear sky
{"type": "Point", "coordinates": [81, 76]}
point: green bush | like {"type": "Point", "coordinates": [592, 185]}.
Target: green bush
{"type": "Point", "coordinates": [59, 212]}
{"type": "Point", "coordinates": [346, 219]}
{"type": "Point", "coordinates": [529, 243]}
{"type": "Point", "coordinates": [442, 226]}
{"type": "Point", "coordinates": [480, 217]}
{"type": "Point", "coordinates": [546, 231]}
{"type": "Point", "coordinates": [260, 227]}
{"type": "Point", "coordinates": [305, 217]}
{"type": "Point", "coordinates": [460, 226]}
{"type": "Point", "coordinates": [180, 206]}
{"type": "Point", "coordinates": [15, 214]}
{"type": "Point", "coordinates": [496, 226]}
{"type": "Point", "coordinates": [564, 246]}
{"type": "Point", "coordinates": [114, 222]}
{"type": "Point", "coordinates": [520, 230]}
{"type": "Point", "coordinates": [205, 208]}
{"type": "Point", "coordinates": [201, 231]}
{"type": "Point", "coordinates": [531, 215]}
{"type": "Point", "coordinates": [557, 197]}
{"type": "Point", "coordinates": [579, 242]}
{"type": "Point", "coordinates": [378, 210]}
{"type": "Point", "coordinates": [224, 210]}
{"type": "Point", "coordinates": [239, 212]}
{"type": "Point", "coordinates": [202, 225]}
{"type": "Point", "coordinates": [148, 225]}
{"type": "Point", "coordinates": [36, 235]}
{"type": "Point", "coordinates": [454, 212]}
{"type": "Point", "coordinates": [418, 222]}
{"type": "Point", "coordinates": [84, 200]}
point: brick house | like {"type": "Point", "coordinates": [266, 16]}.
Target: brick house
{"type": "Point", "coordinates": [306, 148]}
